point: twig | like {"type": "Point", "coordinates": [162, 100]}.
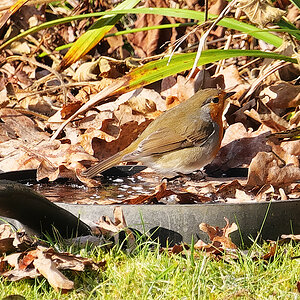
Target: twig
{"type": "Point", "coordinates": [203, 39]}
{"type": "Point", "coordinates": [34, 62]}
{"type": "Point", "coordinates": [259, 80]}
{"type": "Point", "coordinates": [220, 66]}
{"type": "Point", "coordinates": [108, 91]}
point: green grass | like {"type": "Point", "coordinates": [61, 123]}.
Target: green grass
{"type": "Point", "coordinates": [148, 274]}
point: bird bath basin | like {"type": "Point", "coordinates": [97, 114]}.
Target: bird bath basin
{"type": "Point", "coordinates": [175, 223]}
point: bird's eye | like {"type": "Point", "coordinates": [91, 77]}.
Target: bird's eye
{"type": "Point", "coordinates": [215, 100]}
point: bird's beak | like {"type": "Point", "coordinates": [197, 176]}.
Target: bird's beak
{"type": "Point", "coordinates": [227, 95]}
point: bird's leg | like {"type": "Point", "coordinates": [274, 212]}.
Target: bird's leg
{"type": "Point", "coordinates": [183, 178]}
{"type": "Point", "coordinates": [177, 177]}
{"type": "Point", "coordinates": [197, 175]}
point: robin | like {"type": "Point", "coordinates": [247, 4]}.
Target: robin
{"type": "Point", "coordinates": [181, 140]}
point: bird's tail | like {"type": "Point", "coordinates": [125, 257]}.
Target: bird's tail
{"type": "Point", "coordinates": [103, 165]}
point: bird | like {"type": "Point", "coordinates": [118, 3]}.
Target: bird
{"type": "Point", "coordinates": [181, 140]}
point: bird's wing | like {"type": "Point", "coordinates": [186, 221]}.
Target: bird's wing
{"type": "Point", "coordinates": [199, 137]}
{"type": "Point", "coordinates": [166, 140]}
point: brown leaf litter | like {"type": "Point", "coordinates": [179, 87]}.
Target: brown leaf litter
{"type": "Point", "coordinates": [29, 259]}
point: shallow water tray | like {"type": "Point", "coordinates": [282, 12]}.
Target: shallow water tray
{"type": "Point", "coordinates": [175, 223]}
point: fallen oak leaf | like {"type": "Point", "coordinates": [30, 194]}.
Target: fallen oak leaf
{"type": "Point", "coordinates": [22, 126]}
{"type": "Point", "coordinates": [219, 237]}
{"type": "Point", "coordinates": [228, 190]}
{"type": "Point", "coordinates": [208, 248]}
{"type": "Point", "coordinates": [11, 241]}
{"type": "Point", "coordinates": [266, 116]}
{"type": "Point", "coordinates": [160, 192]}
{"type": "Point", "coordinates": [239, 146]}
{"type": "Point", "coordinates": [110, 229]}
{"type": "Point", "coordinates": [127, 133]}
{"type": "Point", "coordinates": [271, 253]}
{"type": "Point", "coordinates": [214, 232]}
{"type": "Point", "coordinates": [6, 238]}
{"type": "Point", "coordinates": [89, 182]}
{"type": "Point", "coordinates": [176, 249]}
{"type": "Point", "coordinates": [282, 154]}
{"type": "Point", "coordinates": [68, 261]}
{"type": "Point", "coordinates": [6, 231]}
{"type": "Point", "coordinates": [265, 168]}
{"type": "Point", "coordinates": [26, 259]}
{"type": "Point", "coordinates": [294, 237]}
{"type": "Point", "coordinates": [261, 13]}
{"type": "Point", "coordinates": [69, 109]}
{"type": "Point", "coordinates": [17, 274]}
{"type": "Point", "coordinates": [182, 249]}
{"type": "Point", "coordinates": [46, 262]}
{"type": "Point", "coordinates": [12, 259]}
{"type": "Point", "coordinates": [48, 269]}
{"type": "Point", "coordinates": [191, 198]}
{"type": "Point", "coordinates": [265, 193]}
{"type": "Point", "coordinates": [281, 95]}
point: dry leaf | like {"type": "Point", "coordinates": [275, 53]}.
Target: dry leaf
{"type": "Point", "coordinates": [46, 262]}
{"type": "Point", "coordinates": [48, 269]}
{"type": "Point", "coordinates": [285, 156]}
{"type": "Point", "coordinates": [261, 12]}
{"type": "Point", "coordinates": [219, 237]}
{"type": "Point", "coordinates": [23, 126]}
{"type": "Point", "coordinates": [265, 193]}
{"type": "Point", "coordinates": [11, 240]}
{"type": "Point", "coordinates": [291, 237]}
{"type": "Point", "coordinates": [239, 147]}
{"type": "Point", "coordinates": [266, 116]}
{"type": "Point", "coordinates": [281, 95]}
{"type": "Point", "coordinates": [114, 42]}
{"type": "Point", "coordinates": [265, 168]}
{"type": "Point", "coordinates": [146, 43]}
{"type": "Point", "coordinates": [228, 190]}
{"type": "Point", "coordinates": [233, 80]}
{"type": "Point", "coordinates": [70, 109]}
{"type": "Point", "coordinates": [160, 192]}
{"type": "Point", "coordinates": [110, 228]}
{"type": "Point", "coordinates": [128, 133]}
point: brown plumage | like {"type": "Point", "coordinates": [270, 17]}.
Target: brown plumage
{"type": "Point", "coordinates": [181, 140]}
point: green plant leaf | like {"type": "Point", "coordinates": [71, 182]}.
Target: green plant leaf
{"type": "Point", "coordinates": [156, 70]}
{"type": "Point", "coordinates": [180, 13]}
{"type": "Point", "coordinates": [289, 27]}
{"type": "Point", "coordinates": [94, 34]}
{"type": "Point", "coordinates": [296, 3]}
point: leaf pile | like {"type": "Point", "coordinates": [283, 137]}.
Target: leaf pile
{"type": "Point", "coordinates": [29, 259]}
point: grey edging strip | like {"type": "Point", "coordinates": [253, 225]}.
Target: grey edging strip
{"type": "Point", "coordinates": [181, 222]}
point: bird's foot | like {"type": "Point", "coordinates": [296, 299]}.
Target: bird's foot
{"type": "Point", "coordinates": [183, 178]}
{"type": "Point", "coordinates": [197, 176]}
{"type": "Point", "coordinates": [174, 178]}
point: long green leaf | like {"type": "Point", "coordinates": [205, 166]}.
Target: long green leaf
{"type": "Point", "coordinates": [156, 70]}
{"type": "Point", "coordinates": [296, 3]}
{"type": "Point", "coordinates": [181, 13]}
{"type": "Point", "coordinates": [289, 27]}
